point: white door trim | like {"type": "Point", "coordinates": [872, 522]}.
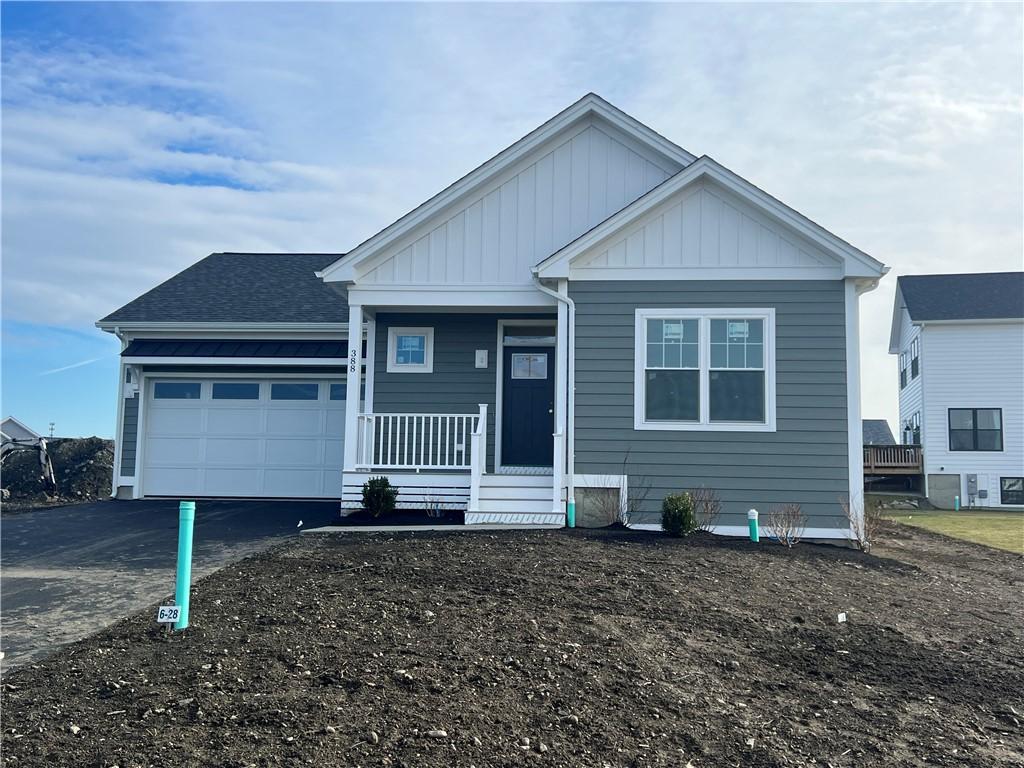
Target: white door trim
{"type": "Point", "coordinates": [498, 405]}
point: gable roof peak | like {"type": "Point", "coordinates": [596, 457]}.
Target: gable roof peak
{"type": "Point", "coordinates": [590, 104]}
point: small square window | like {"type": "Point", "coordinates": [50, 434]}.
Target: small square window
{"type": "Point", "coordinates": [529, 365]}
{"type": "Point", "coordinates": [1011, 491]}
{"type": "Point", "coordinates": [410, 350]}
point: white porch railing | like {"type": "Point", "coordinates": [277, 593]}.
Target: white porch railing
{"type": "Point", "coordinates": [421, 441]}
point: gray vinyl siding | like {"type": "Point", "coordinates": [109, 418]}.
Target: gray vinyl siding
{"type": "Point", "coordinates": [129, 435]}
{"type": "Point", "coordinates": [456, 385]}
{"type": "Point", "coordinates": [804, 461]}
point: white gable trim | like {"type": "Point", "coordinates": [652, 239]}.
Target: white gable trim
{"type": "Point", "coordinates": [856, 263]}
{"type": "Point", "coordinates": [591, 104]}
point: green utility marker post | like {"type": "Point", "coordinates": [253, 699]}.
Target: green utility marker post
{"type": "Point", "coordinates": [183, 581]}
{"type": "Point", "coordinates": [755, 535]}
{"type": "Point", "coordinates": [570, 514]}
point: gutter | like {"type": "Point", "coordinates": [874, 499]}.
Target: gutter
{"type": "Point", "coordinates": [570, 402]}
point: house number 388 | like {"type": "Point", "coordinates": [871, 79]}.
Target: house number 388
{"type": "Point", "coordinates": [353, 360]}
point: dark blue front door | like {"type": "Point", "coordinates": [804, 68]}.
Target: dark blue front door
{"type": "Point", "coordinates": [528, 407]}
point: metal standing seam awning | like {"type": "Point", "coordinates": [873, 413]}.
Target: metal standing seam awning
{"type": "Point", "coordinates": [237, 348]}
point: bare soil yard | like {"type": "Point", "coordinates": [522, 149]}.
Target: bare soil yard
{"type": "Point", "coordinates": [561, 648]}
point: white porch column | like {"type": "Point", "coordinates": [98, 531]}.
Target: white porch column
{"type": "Point", "coordinates": [354, 375]}
{"type": "Point", "coordinates": [561, 378]}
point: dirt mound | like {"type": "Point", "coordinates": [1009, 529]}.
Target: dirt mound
{"type": "Point", "coordinates": [551, 648]}
{"type": "Point", "coordinates": [83, 467]}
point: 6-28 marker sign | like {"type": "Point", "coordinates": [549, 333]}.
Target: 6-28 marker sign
{"type": "Point", "coordinates": [168, 614]}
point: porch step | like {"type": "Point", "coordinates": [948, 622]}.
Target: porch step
{"type": "Point", "coordinates": [515, 481]}
{"type": "Point", "coordinates": [511, 497]}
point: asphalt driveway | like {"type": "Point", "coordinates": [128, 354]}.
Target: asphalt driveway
{"type": "Point", "coordinates": [70, 571]}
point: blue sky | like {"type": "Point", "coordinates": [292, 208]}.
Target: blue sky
{"type": "Point", "coordinates": [137, 138]}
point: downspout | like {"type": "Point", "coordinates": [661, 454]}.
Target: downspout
{"type": "Point", "coordinates": [570, 400]}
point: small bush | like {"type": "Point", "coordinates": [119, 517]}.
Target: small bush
{"type": "Point", "coordinates": [786, 524]}
{"type": "Point", "coordinates": [379, 496]}
{"type": "Point", "coordinates": [677, 514]}
{"type": "Point", "coordinates": [708, 507]}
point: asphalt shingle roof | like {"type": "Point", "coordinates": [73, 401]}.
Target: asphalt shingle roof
{"type": "Point", "coordinates": [242, 288]}
{"type": "Point", "coordinates": [976, 296]}
{"type": "Point", "coordinates": [877, 432]}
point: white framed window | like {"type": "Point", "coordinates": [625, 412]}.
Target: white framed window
{"type": "Point", "coordinates": [410, 350]}
{"type": "Point", "coordinates": [529, 365]}
{"type": "Point", "coordinates": [705, 369]}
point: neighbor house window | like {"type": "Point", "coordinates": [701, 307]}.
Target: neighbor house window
{"type": "Point", "coordinates": [705, 369]}
{"type": "Point", "coordinates": [1011, 491]}
{"type": "Point", "coordinates": [975, 429]}
{"type": "Point", "coordinates": [912, 430]}
{"type": "Point", "coordinates": [294, 390]}
{"type": "Point", "coordinates": [915, 358]}
{"type": "Point", "coordinates": [176, 390]}
{"type": "Point", "coordinates": [903, 370]}
{"type": "Point", "coordinates": [410, 350]}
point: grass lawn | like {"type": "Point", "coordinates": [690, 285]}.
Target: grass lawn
{"type": "Point", "coordinates": [1003, 530]}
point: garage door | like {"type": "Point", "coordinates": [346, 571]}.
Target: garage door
{"type": "Point", "coordinates": [244, 437]}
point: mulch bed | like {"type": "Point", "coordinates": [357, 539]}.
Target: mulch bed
{"type": "Point", "coordinates": [562, 648]}
{"type": "Point", "coordinates": [402, 517]}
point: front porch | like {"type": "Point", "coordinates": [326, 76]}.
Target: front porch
{"type": "Point", "coordinates": [464, 410]}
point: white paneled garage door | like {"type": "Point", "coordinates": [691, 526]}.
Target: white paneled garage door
{"type": "Point", "coordinates": [243, 437]}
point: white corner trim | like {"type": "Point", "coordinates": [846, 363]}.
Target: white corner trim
{"type": "Point", "coordinates": [854, 428]}
{"type": "Point", "coordinates": [704, 316]}
{"type": "Point", "coordinates": [428, 344]}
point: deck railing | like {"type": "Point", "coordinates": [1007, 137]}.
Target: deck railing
{"type": "Point", "coordinates": [892, 459]}
{"type": "Point", "coordinates": [419, 441]}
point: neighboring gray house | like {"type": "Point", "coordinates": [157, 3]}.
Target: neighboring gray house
{"type": "Point", "coordinates": [960, 342]}
{"type": "Point", "coordinates": [877, 432]}
{"type": "Point", "coordinates": [591, 311]}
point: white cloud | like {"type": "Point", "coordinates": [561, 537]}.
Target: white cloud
{"type": "Point", "coordinates": [897, 127]}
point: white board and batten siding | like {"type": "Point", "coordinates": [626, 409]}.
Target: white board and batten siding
{"type": "Point", "coordinates": [974, 365]}
{"type": "Point", "coordinates": [499, 232]}
{"type": "Point", "coordinates": [703, 226]}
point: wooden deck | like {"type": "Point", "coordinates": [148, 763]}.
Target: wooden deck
{"type": "Point", "coordinates": [892, 460]}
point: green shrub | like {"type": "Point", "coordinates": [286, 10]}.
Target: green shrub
{"type": "Point", "coordinates": [379, 496]}
{"type": "Point", "coordinates": [677, 514]}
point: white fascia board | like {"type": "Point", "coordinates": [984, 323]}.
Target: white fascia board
{"type": "Point", "coordinates": [896, 327]}
{"type": "Point", "coordinates": [227, 361]}
{"type": "Point", "coordinates": [343, 269]}
{"type": "Point", "coordinates": [480, 296]}
{"type": "Point", "coordinates": [133, 326]}
{"type": "Point", "coordinates": [840, 534]}
{"type": "Point", "coordinates": [856, 263]}
{"type": "Point", "coordinates": [713, 273]}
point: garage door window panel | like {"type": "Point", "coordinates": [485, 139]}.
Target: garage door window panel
{"type": "Point", "coordinates": [177, 390]}
{"type": "Point", "coordinates": [294, 391]}
{"type": "Point", "coordinates": [236, 390]}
